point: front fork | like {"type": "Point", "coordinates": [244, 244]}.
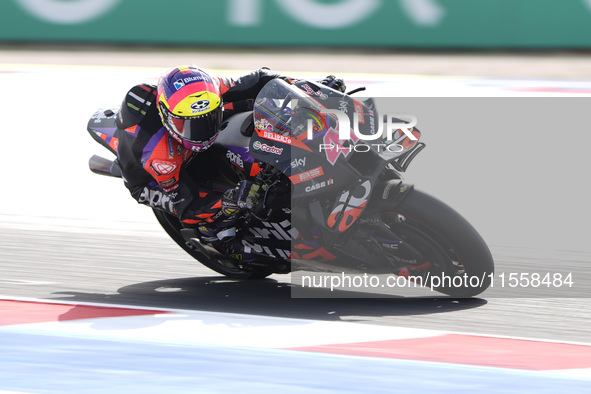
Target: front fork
{"type": "Point", "coordinates": [404, 258]}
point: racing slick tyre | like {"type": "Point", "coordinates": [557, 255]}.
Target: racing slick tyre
{"type": "Point", "coordinates": [442, 236]}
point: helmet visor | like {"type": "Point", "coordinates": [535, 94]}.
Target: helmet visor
{"type": "Point", "coordinates": [199, 129]}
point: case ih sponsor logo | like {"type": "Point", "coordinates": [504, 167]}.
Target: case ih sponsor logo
{"type": "Point", "coordinates": [258, 145]}
{"type": "Point", "coordinates": [274, 136]}
{"type": "Point", "coordinates": [163, 167]}
{"type": "Point", "coordinates": [306, 176]}
{"type": "Point", "coordinates": [320, 185]}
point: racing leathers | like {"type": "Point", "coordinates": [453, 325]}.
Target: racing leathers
{"type": "Point", "coordinates": [154, 165]}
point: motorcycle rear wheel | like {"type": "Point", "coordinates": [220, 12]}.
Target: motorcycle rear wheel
{"type": "Point", "coordinates": [173, 227]}
{"type": "Point", "coordinates": [451, 244]}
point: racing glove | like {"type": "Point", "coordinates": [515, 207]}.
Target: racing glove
{"type": "Point", "coordinates": [243, 197]}
{"type": "Point", "coordinates": [334, 83]}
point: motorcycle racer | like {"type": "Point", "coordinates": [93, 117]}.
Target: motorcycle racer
{"type": "Point", "coordinates": [161, 129]}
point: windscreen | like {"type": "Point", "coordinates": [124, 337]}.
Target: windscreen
{"type": "Point", "coordinates": [284, 109]}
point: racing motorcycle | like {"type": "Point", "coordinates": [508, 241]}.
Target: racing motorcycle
{"type": "Point", "coordinates": [331, 203]}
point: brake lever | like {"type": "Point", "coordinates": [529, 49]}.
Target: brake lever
{"type": "Point", "coordinates": [361, 89]}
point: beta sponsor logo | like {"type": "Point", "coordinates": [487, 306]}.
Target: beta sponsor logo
{"type": "Point", "coordinates": [258, 145]}
{"type": "Point", "coordinates": [274, 136]}
{"type": "Point", "coordinates": [319, 185]}
{"type": "Point", "coordinates": [163, 167]}
{"type": "Point", "coordinates": [306, 176]}
{"type": "Point", "coordinates": [235, 159]}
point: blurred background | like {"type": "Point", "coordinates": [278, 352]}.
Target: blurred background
{"type": "Point", "coordinates": [498, 38]}
{"type": "Point", "coordinates": [517, 168]}
{"type": "Point", "coordinates": [513, 162]}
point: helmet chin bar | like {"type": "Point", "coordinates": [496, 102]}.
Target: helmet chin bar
{"type": "Point", "coordinates": [190, 105]}
{"type": "Point", "coordinates": [194, 132]}
{"type": "Point", "coordinates": [197, 146]}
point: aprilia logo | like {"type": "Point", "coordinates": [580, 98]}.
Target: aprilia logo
{"type": "Point", "coordinates": [235, 158]}
{"type": "Point", "coordinates": [281, 231]}
{"type": "Point", "coordinates": [156, 199]}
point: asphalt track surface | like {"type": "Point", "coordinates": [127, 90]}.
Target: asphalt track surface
{"type": "Point", "coordinates": [76, 264]}
{"type": "Point", "coordinates": [152, 271]}
{"type": "Point", "coordinates": [84, 245]}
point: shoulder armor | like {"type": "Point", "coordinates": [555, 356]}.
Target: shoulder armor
{"type": "Point", "coordinates": [139, 106]}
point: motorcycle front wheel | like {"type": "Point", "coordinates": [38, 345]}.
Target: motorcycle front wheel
{"type": "Point", "coordinates": [461, 262]}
